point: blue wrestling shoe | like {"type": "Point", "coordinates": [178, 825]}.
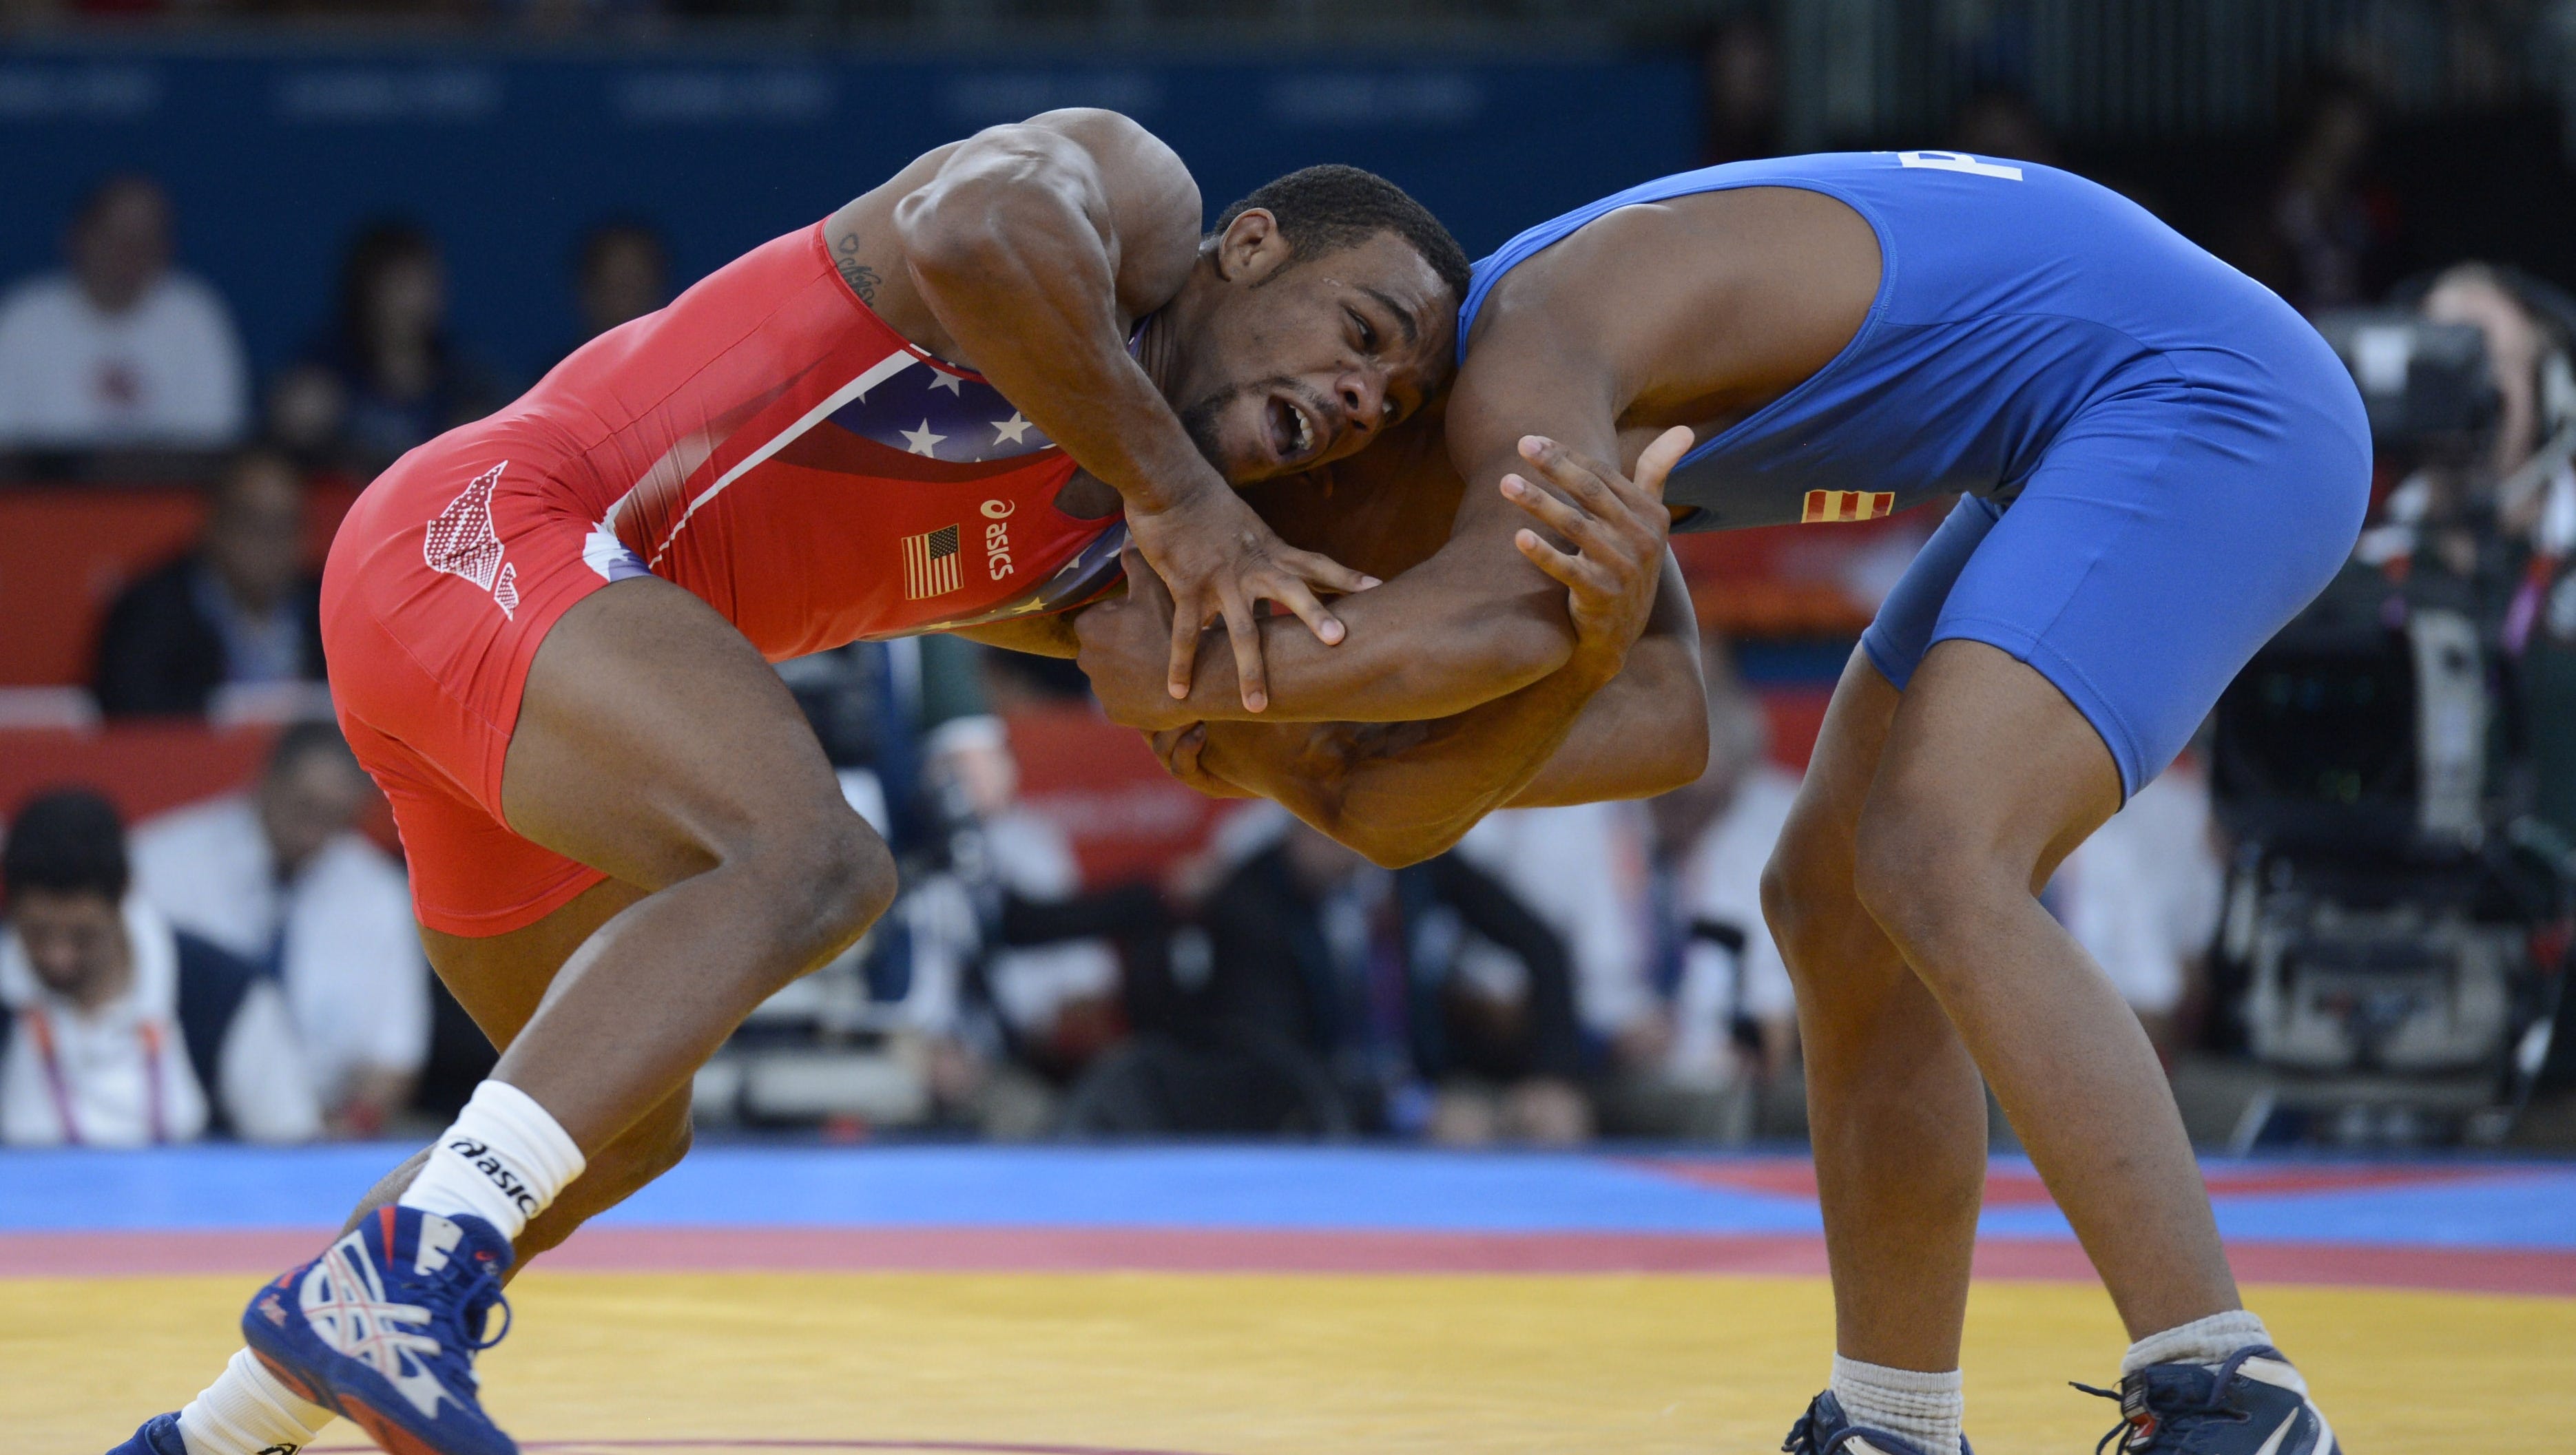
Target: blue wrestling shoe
{"type": "Point", "coordinates": [1825, 1430]}
{"type": "Point", "coordinates": [2253, 1404]}
{"type": "Point", "coordinates": [158, 1436]}
{"type": "Point", "coordinates": [384, 1327]}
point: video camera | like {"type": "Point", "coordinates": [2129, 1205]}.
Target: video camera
{"type": "Point", "coordinates": [2426, 385]}
{"type": "Point", "coordinates": [2383, 902]}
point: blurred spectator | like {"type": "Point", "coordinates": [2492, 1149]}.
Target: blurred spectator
{"type": "Point", "coordinates": [2329, 237]}
{"type": "Point", "coordinates": [1581, 869]}
{"type": "Point", "coordinates": [388, 376]}
{"type": "Point", "coordinates": [281, 876]}
{"type": "Point", "coordinates": [2527, 357]}
{"type": "Point", "coordinates": [1718, 1023]}
{"type": "Point", "coordinates": [1008, 969]}
{"type": "Point", "coordinates": [2439, 509]}
{"type": "Point", "coordinates": [240, 610]}
{"type": "Point", "coordinates": [1052, 986]}
{"type": "Point", "coordinates": [1335, 997]}
{"type": "Point", "coordinates": [1740, 67]}
{"type": "Point", "coordinates": [882, 710]}
{"type": "Point", "coordinates": [2142, 896]}
{"type": "Point", "coordinates": [623, 272]}
{"type": "Point", "coordinates": [115, 1029]}
{"type": "Point", "coordinates": [123, 350]}
{"type": "Point", "coordinates": [1997, 121]}
{"type": "Point", "coordinates": [2468, 508]}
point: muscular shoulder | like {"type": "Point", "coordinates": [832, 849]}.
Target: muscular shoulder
{"type": "Point", "coordinates": [1154, 203]}
{"type": "Point", "coordinates": [1078, 168]}
{"type": "Point", "coordinates": [1689, 310]}
{"type": "Point", "coordinates": [1134, 188]}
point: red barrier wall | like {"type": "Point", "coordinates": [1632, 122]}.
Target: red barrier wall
{"type": "Point", "coordinates": [1128, 819]}
{"type": "Point", "coordinates": [67, 550]}
{"type": "Point", "coordinates": [144, 768]}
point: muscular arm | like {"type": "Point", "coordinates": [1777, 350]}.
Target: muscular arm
{"type": "Point", "coordinates": [1694, 311]}
{"type": "Point", "coordinates": [1400, 793]}
{"type": "Point", "coordinates": [1029, 244]}
{"type": "Point", "coordinates": [1645, 732]}
{"type": "Point", "coordinates": [1472, 623]}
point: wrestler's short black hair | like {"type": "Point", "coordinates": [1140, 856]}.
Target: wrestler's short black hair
{"type": "Point", "coordinates": [1328, 208]}
{"type": "Point", "coordinates": [68, 841]}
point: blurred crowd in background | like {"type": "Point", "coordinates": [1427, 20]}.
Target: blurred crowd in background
{"type": "Point", "coordinates": [245, 964]}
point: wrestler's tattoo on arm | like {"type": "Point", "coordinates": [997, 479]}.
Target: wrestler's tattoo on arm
{"type": "Point", "coordinates": [862, 279]}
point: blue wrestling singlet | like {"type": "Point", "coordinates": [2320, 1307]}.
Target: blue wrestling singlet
{"type": "Point", "coordinates": [2162, 461]}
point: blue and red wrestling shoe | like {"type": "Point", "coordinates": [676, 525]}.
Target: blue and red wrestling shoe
{"type": "Point", "coordinates": [384, 1327]}
{"type": "Point", "coordinates": [159, 1435]}
{"type": "Point", "coordinates": [1825, 1430]}
{"type": "Point", "coordinates": [2252, 1404]}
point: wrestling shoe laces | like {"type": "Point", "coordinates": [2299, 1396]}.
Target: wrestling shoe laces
{"type": "Point", "coordinates": [2197, 1409]}
{"type": "Point", "coordinates": [1825, 1430]}
{"type": "Point", "coordinates": [345, 1300]}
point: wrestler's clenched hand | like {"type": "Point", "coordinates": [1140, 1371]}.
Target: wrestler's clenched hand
{"type": "Point", "coordinates": [1617, 527]}
{"type": "Point", "coordinates": [1218, 559]}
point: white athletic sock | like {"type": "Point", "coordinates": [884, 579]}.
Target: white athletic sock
{"type": "Point", "coordinates": [2202, 1341]}
{"type": "Point", "coordinates": [247, 1412]}
{"type": "Point", "coordinates": [1923, 1408]}
{"type": "Point", "coordinates": [503, 1161]}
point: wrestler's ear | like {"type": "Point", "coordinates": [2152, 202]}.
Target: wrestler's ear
{"type": "Point", "coordinates": [1251, 249]}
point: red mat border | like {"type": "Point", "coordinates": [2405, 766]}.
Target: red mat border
{"type": "Point", "coordinates": [2549, 1272]}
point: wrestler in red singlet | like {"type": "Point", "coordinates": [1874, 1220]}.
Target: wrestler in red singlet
{"type": "Point", "coordinates": [766, 442]}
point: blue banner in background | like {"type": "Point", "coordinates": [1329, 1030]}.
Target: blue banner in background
{"type": "Point", "coordinates": [275, 159]}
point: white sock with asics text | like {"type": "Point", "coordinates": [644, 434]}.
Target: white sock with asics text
{"type": "Point", "coordinates": [2202, 1341]}
{"type": "Point", "coordinates": [503, 1161]}
{"type": "Point", "coordinates": [247, 1412]}
{"type": "Point", "coordinates": [1923, 1408]}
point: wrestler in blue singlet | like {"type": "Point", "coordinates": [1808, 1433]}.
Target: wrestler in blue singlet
{"type": "Point", "coordinates": [2162, 461]}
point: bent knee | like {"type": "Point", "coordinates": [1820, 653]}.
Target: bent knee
{"type": "Point", "coordinates": [825, 883]}
{"type": "Point", "coordinates": [1927, 873]}
{"type": "Point", "coordinates": [1807, 894]}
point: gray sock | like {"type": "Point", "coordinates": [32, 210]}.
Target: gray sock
{"type": "Point", "coordinates": [2202, 1341]}
{"type": "Point", "coordinates": [1923, 1408]}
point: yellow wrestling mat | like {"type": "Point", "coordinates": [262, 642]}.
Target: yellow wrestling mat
{"type": "Point", "coordinates": [1263, 1364]}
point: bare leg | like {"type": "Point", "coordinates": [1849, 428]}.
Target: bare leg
{"type": "Point", "coordinates": [1988, 778]}
{"type": "Point", "coordinates": [499, 980]}
{"type": "Point", "coordinates": [654, 744]}
{"type": "Point", "coordinates": [1896, 1108]}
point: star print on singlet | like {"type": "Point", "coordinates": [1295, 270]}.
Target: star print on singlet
{"type": "Point", "coordinates": [941, 414]}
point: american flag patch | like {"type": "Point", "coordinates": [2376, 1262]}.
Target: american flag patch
{"type": "Point", "coordinates": [930, 563]}
{"type": "Point", "coordinates": [1827, 505]}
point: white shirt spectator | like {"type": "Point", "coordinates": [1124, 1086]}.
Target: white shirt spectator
{"type": "Point", "coordinates": [167, 371]}
{"type": "Point", "coordinates": [1031, 984]}
{"type": "Point", "coordinates": [341, 930]}
{"type": "Point", "coordinates": [1580, 869]}
{"type": "Point", "coordinates": [1720, 881]}
{"type": "Point", "coordinates": [119, 1076]}
{"type": "Point", "coordinates": [2143, 895]}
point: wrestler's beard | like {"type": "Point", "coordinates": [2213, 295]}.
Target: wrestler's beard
{"type": "Point", "coordinates": [1200, 417]}
{"type": "Point", "coordinates": [1199, 420]}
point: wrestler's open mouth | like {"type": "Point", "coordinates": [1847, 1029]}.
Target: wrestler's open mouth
{"type": "Point", "coordinates": [1292, 431]}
